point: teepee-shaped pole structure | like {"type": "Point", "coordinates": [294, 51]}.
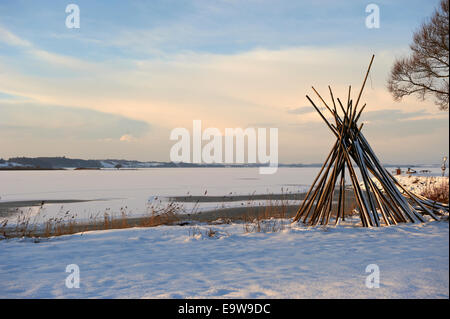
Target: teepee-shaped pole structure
{"type": "Point", "coordinates": [380, 199]}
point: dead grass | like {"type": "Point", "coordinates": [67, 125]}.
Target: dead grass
{"type": "Point", "coordinates": [268, 216]}
{"type": "Point", "coordinates": [65, 223]}
{"type": "Point", "coordinates": [437, 192]}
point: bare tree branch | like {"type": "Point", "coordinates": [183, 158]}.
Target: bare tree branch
{"type": "Point", "coordinates": [426, 71]}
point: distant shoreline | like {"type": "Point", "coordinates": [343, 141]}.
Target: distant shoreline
{"type": "Point", "coordinates": [61, 163]}
{"type": "Point", "coordinates": [21, 168]}
{"type": "Point", "coordinates": [10, 207]}
{"type": "Point", "coordinates": [28, 168]}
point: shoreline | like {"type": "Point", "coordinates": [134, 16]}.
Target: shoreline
{"type": "Point", "coordinates": [239, 214]}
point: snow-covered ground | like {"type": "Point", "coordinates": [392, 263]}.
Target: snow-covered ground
{"type": "Point", "coordinates": [418, 184]}
{"type": "Point", "coordinates": [10, 164]}
{"type": "Point", "coordinates": [169, 262]}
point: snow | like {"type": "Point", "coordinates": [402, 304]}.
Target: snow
{"type": "Point", "coordinates": [184, 262]}
{"type": "Point", "coordinates": [170, 262]}
{"type": "Point", "coordinates": [416, 184]}
{"type": "Point", "coordinates": [112, 164]}
{"type": "Point", "coordinates": [11, 164]}
{"type": "Point", "coordinates": [109, 164]}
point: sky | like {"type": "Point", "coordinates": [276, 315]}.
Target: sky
{"type": "Point", "coordinates": [135, 70]}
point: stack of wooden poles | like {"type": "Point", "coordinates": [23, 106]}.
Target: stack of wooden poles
{"type": "Point", "coordinates": [384, 203]}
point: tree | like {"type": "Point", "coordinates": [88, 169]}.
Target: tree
{"type": "Point", "coordinates": [426, 71]}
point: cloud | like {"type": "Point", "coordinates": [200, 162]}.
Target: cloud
{"type": "Point", "coordinates": [411, 118]}
{"type": "Point", "coordinates": [114, 99]}
{"type": "Point", "coordinates": [160, 27]}
{"type": "Point", "coordinates": [45, 56]}
{"type": "Point", "coordinates": [127, 138]}
{"type": "Point", "coordinates": [11, 39]}
{"type": "Point", "coordinates": [221, 89]}
{"type": "Point", "coordinates": [304, 110]}
{"type": "Point", "coordinates": [301, 110]}
{"type": "Point", "coordinates": [35, 120]}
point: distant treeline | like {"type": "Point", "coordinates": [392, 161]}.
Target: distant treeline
{"type": "Point", "coordinates": [55, 162]}
{"type": "Point", "coordinates": [64, 162]}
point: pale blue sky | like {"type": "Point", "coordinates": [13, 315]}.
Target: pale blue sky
{"type": "Point", "coordinates": [169, 26]}
{"type": "Point", "coordinates": [141, 68]}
